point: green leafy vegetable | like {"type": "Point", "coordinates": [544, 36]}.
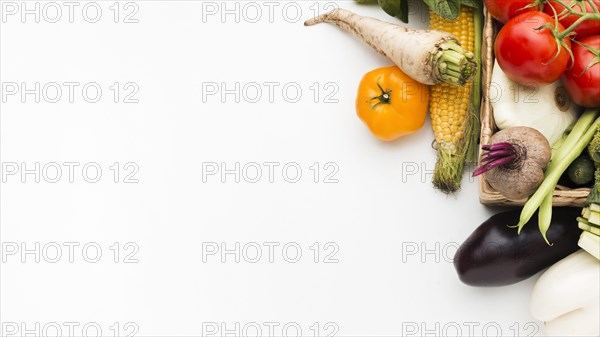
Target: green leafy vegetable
{"type": "Point", "coordinates": [403, 14]}
{"type": "Point", "coordinates": [471, 3]}
{"type": "Point", "coordinates": [397, 8]}
{"type": "Point", "coordinates": [448, 9]}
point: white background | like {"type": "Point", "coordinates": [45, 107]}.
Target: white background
{"type": "Point", "coordinates": [380, 207]}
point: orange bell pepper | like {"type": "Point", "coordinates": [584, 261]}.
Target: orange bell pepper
{"type": "Point", "coordinates": [391, 103]}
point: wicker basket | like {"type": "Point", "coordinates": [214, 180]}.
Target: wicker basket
{"type": "Point", "coordinates": [563, 196]}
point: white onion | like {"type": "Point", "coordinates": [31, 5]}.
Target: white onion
{"type": "Point", "coordinates": [547, 109]}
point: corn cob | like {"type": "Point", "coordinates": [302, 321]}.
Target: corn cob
{"type": "Point", "coordinates": [453, 108]}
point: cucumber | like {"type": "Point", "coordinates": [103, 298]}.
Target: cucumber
{"type": "Point", "coordinates": [581, 171]}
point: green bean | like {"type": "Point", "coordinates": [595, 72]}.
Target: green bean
{"type": "Point", "coordinates": [558, 167]}
{"type": "Point", "coordinates": [583, 123]}
{"type": "Point", "coordinates": [545, 211]}
{"type": "Point", "coordinates": [545, 216]}
{"type": "Point", "coordinates": [557, 145]}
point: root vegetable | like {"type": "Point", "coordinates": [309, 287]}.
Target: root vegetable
{"type": "Point", "coordinates": [427, 56]}
{"type": "Point", "coordinates": [514, 162]}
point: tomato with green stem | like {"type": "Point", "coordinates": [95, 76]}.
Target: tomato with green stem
{"type": "Point", "coordinates": [504, 10]}
{"type": "Point", "coordinates": [569, 11]}
{"type": "Point", "coordinates": [391, 103]}
{"type": "Point", "coordinates": [582, 80]}
{"type": "Point", "coordinates": [532, 50]}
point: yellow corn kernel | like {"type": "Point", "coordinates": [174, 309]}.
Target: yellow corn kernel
{"type": "Point", "coordinates": [449, 103]}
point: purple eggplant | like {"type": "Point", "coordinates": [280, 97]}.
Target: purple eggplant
{"type": "Point", "coordinates": [495, 255]}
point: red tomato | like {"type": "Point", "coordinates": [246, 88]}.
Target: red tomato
{"type": "Point", "coordinates": [586, 28]}
{"type": "Point", "coordinates": [584, 86]}
{"type": "Point", "coordinates": [504, 10]}
{"type": "Point", "coordinates": [526, 54]}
